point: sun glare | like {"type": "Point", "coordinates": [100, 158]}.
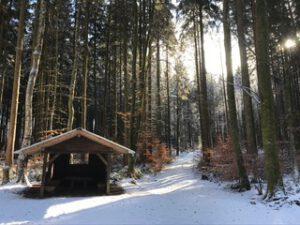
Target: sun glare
{"type": "Point", "coordinates": [214, 56]}
{"type": "Point", "coordinates": [289, 43]}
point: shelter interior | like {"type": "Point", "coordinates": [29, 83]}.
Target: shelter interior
{"type": "Point", "coordinates": [76, 165]}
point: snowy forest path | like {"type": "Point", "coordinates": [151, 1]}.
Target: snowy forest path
{"type": "Point", "coordinates": [176, 195]}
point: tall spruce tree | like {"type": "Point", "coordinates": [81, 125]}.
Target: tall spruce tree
{"type": "Point", "coordinates": [244, 182]}
{"type": "Point", "coordinates": [272, 169]}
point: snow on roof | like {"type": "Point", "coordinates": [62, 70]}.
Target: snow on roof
{"type": "Point", "coordinates": [79, 132]}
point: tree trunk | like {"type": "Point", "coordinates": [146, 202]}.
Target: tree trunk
{"type": "Point", "coordinates": [244, 182]}
{"type": "Point", "coordinates": [56, 73]}
{"type": "Point", "coordinates": [168, 133]}
{"type": "Point", "coordinates": [248, 110]}
{"type": "Point", "coordinates": [126, 83]}
{"type": "Point", "coordinates": [34, 69]}
{"type": "Point", "coordinates": [106, 75]}
{"type": "Point", "coordinates": [72, 85]}
{"type": "Point", "coordinates": [86, 67]}
{"type": "Point", "coordinates": [197, 70]}
{"type": "Point", "coordinates": [272, 169]}
{"type": "Point", "coordinates": [178, 114]}
{"type": "Point", "coordinates": [126, 118]}
{"type": "Point", "coordinates": [158, 99]}
{"type": "Point", "coordinates": [291, 116]}
{"type": "Point", "coordinates": [11, 134]}
{"type": "Point", "coordinates": [149, 93]}
{"type": "Point", "coordinates": [205, 118]}
{"type": "Point", "coordinates": [249, 120]}
{"type": "Point", "coordinates": [133, 93]}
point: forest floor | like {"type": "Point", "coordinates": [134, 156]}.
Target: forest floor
{"type": "Point", "coordinates": [177, 195]}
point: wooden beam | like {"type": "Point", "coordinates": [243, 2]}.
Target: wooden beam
{"type": "Point", "coordinates": [42, 190]}
{"type": "Point", "coordinates": [102, 159]}
{"type": "Point", "coordinates": [37, 147]}
{"type": "Point", "coordinates": [32, 149]}
{"type": "Point", "coordinates": [108, 171]}
{"type": "Point", "coordinates": [106, 142]}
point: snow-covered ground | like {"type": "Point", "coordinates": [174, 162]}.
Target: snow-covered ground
{"type": "Point", "coordinates": [177, 195]}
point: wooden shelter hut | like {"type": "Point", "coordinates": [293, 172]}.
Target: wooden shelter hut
{"type": "Point", "coordinates": [77, 157]}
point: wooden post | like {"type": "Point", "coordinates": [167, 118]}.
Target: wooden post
{"type": "Point", "coordinates": [49, 164]}
{"type": "Point", "coordinates": [108, 170]}
{"type": "Point", "coordinates": [42, 190]}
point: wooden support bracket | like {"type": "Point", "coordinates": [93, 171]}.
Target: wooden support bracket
{"type": "Point", "coordinates": [53, 159]}
{"type": "Point", "coordinates": [102, 159]}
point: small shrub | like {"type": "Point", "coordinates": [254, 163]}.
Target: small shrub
{"type": "Point", "coordinates": [223, 164]}
{"type": "Point", "coordinates": [158, 158]}
{"type": "Point", "coordinates": [151, 151]}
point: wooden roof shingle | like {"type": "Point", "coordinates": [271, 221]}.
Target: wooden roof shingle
{"type": "Point", "coordinates": [79, 132]}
